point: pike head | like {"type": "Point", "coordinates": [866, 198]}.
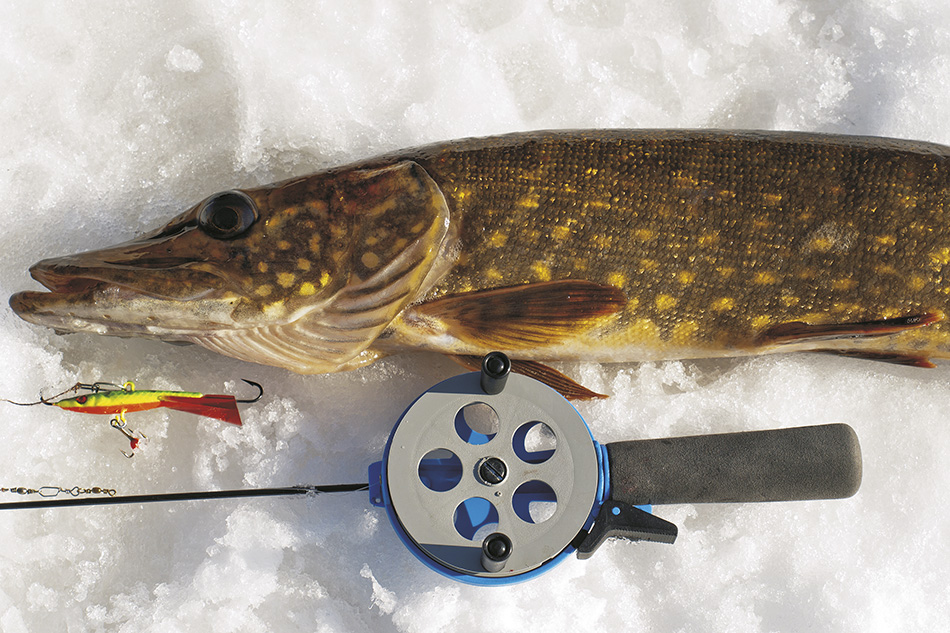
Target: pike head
{"type": "Point", "coordinates": [304, 274]}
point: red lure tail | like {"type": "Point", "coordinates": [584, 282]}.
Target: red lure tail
{"type": "Point", "coordinates": [213, 406]}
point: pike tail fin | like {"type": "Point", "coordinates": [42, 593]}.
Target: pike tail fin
{"type": "Point", "coordinates": [213, 406]}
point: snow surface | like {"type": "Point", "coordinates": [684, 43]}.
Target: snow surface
{"type": "Point", "coordinates": [115, 116]}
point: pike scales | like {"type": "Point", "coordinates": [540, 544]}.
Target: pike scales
{"type": "Point", "coordinates": [610, 245]}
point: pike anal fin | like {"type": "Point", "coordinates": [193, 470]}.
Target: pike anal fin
{"type": "Point", "coordinates": [564, 385]}
{"type": "Point", "coordinates": [799, 331]}
{"type": "Point", "coordinates": [897, 358]}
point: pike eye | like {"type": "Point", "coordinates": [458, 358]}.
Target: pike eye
{"type": "Point", "coordinates": [227, 215]}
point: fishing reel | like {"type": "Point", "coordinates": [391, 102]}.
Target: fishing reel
{"type": "Point", "coordinates": [492, 478]}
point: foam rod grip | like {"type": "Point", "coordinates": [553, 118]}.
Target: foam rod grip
{"type": "Point", "coordinates": [809, 462]}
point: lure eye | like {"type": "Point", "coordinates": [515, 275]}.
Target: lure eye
{"type": "Point", "coordinates": [227, 215]}
{"type": "Point", "coordinates": [81, 399]}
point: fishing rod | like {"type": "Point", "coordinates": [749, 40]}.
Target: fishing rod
{"type": "Point", "coordinates": [492, 478]}
{"type": "Point", "coordinates": [175, 496]}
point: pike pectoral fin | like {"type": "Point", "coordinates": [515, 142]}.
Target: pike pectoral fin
{"type": "Point", "coordinates": [526, 316]}
{"type": "Point", "coordinates": [799, 331]}
{"type": "Point", "coordinates": [565, 386]}
{"type": "Point", "coordinates": [911, 360]}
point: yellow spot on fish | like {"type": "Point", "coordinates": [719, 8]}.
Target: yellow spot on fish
{"type": "Point", "coordinates": [324, 279]}
{"type": "Point", "coordinates": [708, 239]}
{"type": "Point", "coordinates": [885, 269]}
{"type": "Point", "coordinates": [684, 332]}
{"type": "Point", "coordinates": [262, 266]}
{"type": "Point", "coordinates": [685, 277]}
{"type": "Point", "coordinates": [417, 228]}
{"type": "Point", "coordinates": [461, 193]}
{"type": "Point", "coordinates": [940, 257]}
{"type": "Point", "coordinates": [541, 271]}
{"type": "Point", "coordinates": [493, 274]}
{"type": "Point", "coordinates": [644, 330]}
{"type": "Point", "coordinates": [275, 309]}
{"type": "Point", "coordinates": [303, 264]}
{"type": "Point", "coordinates": [844, 283]}
{"type": "Point", "coordinates": [723, 304]}
{"type": "Point", "coordinates": [845, 308]}
{"type": "Point", "coordinates": [263, 291]}
{"type": "Point", "coordinates": [761, 322]}
{"type": "Point", "coordinates": [788, 301]}
{"type": "Point", "coordinates": [647, 265]}
{"type": "Point", "coordinates": [314, 244]}
{"type": "Point", "coordinates": [917, 283]}
{"type": "Point", "coordinates": [306, 289]}
{"type": "Point", "coordinates": [644, 234]}
{"type": "Point", "coordinates": [820, 244]}
{"type": "Point", "coordinates": [370, 260]}
{"type": "Point", "coordinates": [372, 240]}
{"type": "Point", "coordinates": [286, 280]}
{"type": "Point", "coordinates": [665, 302]}
{"type": "Point", "coordinates": [683, 179]}
{"type": "Point", "coordinates": [530, 201]}
{"type": "Point", "coordinates": [498, 239]}
{"type": "Point", "coordinates": [284, 245]}
{"type": "Point", "coordinates": [772, 199]}
{"type": "Point", "coordinates": [764, 278]}
{"type": "Point", "coordinates": [560, 232]}
{"type": "Point", "coordinates": [886, 240]}
{"type": "Point", "coordinates": [617, 279]}
{"type": "Point", "coordinates": [400, 243]}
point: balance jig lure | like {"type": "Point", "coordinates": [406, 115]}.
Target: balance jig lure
{"type": "Point", "coordinates": [107, 398]}
{"type": "Point", "coordinates": [492, 477]}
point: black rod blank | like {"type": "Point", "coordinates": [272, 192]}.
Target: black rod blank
{"type": "Point", "coordinates": [184, 496]}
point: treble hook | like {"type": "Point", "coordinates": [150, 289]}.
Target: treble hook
{"type": "Point", "coordinates": [260, 392]}
{"type": "Point", "coordinates": [119, 423]}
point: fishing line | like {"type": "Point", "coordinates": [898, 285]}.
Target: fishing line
{"type": "Point", "coordinates": [177, 496]}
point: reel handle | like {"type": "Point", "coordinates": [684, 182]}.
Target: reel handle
{"type": "Point", "coordinates": [811, 462]}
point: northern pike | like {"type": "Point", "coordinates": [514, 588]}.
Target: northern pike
{"type": "Point", "coordinates": [598, 245]}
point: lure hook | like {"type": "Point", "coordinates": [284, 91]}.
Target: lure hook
{"type": "Point", "coordinates": [94, 387]}
{"type": "Point", "coordinates": [119, 423]}
{"type": "Point", "coordinates": [260, 392]}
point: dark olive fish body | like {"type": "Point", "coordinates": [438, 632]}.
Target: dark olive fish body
{"type": "Point", "coordinates": [561, 245]}
{"type": "Point", "coordinates": [714, 237]}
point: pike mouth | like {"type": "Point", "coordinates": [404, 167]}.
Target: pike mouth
{"type": "Point", "coordinates": [113, 301]}
{"type": "Point", "coordinates": [80, 305]}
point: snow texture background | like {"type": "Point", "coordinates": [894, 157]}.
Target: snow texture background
{"type": "Point", "coordinates": [116, 116]}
